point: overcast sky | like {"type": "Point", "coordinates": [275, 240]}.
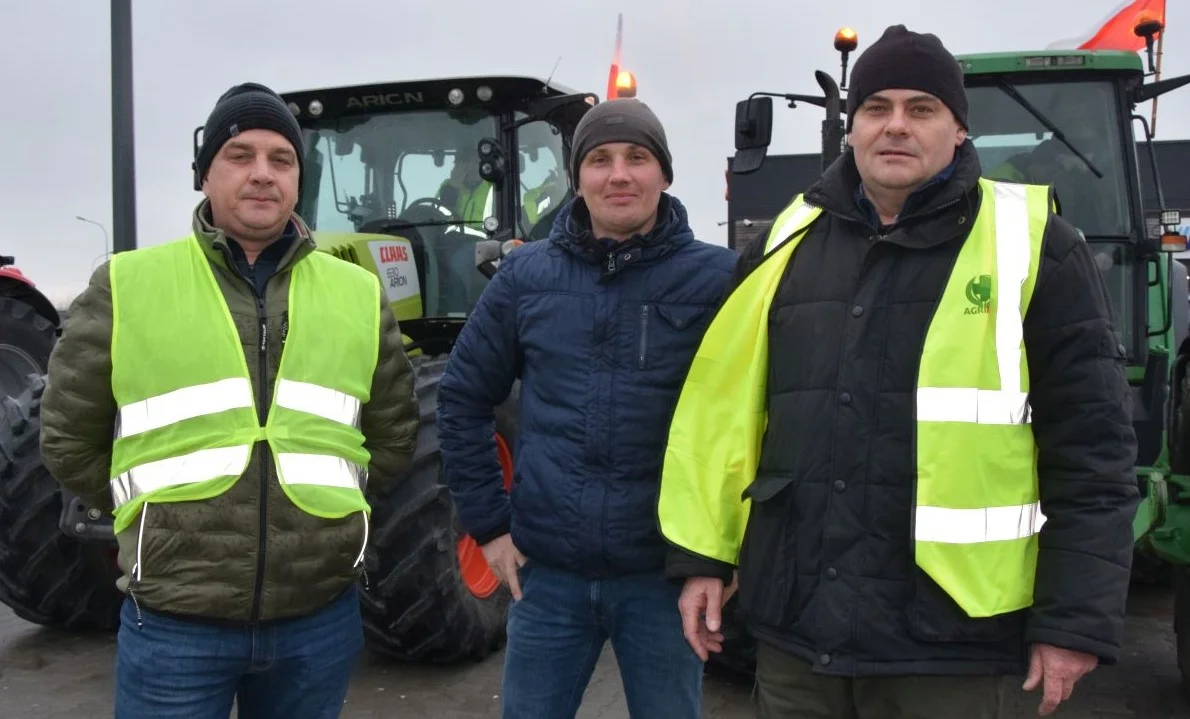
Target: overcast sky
{"type": "Point", "coordinates": [694, 59]}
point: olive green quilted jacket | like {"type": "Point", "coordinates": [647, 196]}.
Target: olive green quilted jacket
{"type": "Point", "coordinates": [250, 554]}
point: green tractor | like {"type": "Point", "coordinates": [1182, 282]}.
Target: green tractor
{"type": "Point", "coordinates": [428, 184]}
{"type": "Point", "coordinates": [1068, 118]}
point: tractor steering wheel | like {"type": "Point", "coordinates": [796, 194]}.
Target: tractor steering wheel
{"type": "Point", "coordinates": [434, 203]}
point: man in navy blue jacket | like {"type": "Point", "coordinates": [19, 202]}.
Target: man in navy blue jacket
{"type": "Point", "coordinates": [600, 323]}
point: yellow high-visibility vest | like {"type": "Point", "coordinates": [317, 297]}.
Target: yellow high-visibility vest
{"type": "Point", "coordinates": [976, 514]}
{"type": "Point", "coordinates": [187, 419]}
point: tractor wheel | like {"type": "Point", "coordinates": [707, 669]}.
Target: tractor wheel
{"type": "Point", "coordinates": [1181, 623]}
{"type": "Point", "coordinates": [429, 595]}
{"type": "Point", "coordinates": [46, 577]}
{"type": "Point", "coordinates": [737, 661]}
{"type": "Point", "coordinates": [26, 339]}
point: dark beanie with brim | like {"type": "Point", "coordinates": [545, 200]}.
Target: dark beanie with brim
{"type": "Point", "coordinates": [250, 106]}
{"type": "Point", "coordinates": [621, 120]}
{"type": "Point", "coordinates": [906, 60]}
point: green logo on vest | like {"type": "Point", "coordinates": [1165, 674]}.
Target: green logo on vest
{"type": "Point", "coordinates": [979, 294]}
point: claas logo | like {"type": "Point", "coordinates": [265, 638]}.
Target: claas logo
{"type": "Point", "coordinates": [394, 253]}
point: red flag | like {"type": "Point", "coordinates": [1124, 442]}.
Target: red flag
{"type": "Point", "coordinates": [615, 68]}
{"type": "Point", "coordinates": [1118, 30]}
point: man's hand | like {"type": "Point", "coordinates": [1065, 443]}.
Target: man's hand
{"type": "Point", "coordinates": [505, 559]}
{"type": "Point", "coordinates": [1056, 670]}
{"type": "Point", "coordinates": [701, 605]}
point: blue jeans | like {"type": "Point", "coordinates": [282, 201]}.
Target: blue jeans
{"type": "Point", "coordinates": [297, 669]}
{"type": "Point", "coordinates": [557, 631]}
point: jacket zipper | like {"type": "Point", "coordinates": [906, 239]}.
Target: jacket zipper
{"type": "Point", "coordinates": [138, 566]}
{"type": "Point", "coordinates": [262, 413]}
{"type": "Point", "coordinates": [262, 369]}
{"type": "Point", "coordinates": [644, 334]}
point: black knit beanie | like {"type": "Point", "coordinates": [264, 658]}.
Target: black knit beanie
{"type": "Point", "coordinates": [621, 120]}
{"type": "Point", "coordinates": [249, 106]}
{"type": "Point", "coordinates": [906, 60]}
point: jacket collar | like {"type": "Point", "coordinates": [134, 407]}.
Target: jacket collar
{"type": "Point", "coordinates": [217, 247]}
{"type": "Point", "coordinates": [840, 192]}
{"type": "Point", "coordinates": [571, 232]}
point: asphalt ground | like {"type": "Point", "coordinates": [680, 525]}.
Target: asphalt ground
{"type": "Point", "coordinates": [48, 674]}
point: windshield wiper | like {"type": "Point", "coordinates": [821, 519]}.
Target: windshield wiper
{"type": "Point", "coordinates": [1049, 125]}
{"type": "Point", "coordinates": [383, 225]}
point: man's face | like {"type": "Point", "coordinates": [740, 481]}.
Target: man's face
{"type": "Point", "coordinates": [902, 138]}
{"type": "Point", "coordinates": [621, 183]}
{"type": "Point", "coordinates": [253, 185]}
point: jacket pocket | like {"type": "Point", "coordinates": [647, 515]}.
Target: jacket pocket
{"type": "Point", "coordinates": [932, 616]}
{"type": "Point", "coordinates": [669, 333]}
{"type": "Point", "coordinates": [768, 557]}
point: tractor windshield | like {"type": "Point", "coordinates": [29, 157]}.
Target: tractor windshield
{"type": "Point", "coordinates": [1015, 145]}
{"type": "Point", "coordinates": [1009, 130]}
{"type": "Point", "coordinates": [380, 167]}
{"type": "Point", "coordinates": [416, 174]}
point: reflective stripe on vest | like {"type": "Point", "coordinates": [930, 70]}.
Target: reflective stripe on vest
{"type": "Point", "coordinates": [187, 421]}
{"type": "Point", "coordinates": [977, 509]}
{"type": "Point", "coordinates": [214, 397]}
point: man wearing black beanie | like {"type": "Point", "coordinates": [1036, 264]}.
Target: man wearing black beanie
{"type": "Point", "coordinates": [944, 489]}
{"type": "Point", "coordinates": [236, 479]}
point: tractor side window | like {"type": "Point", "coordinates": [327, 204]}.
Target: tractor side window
{"type": "Point", "coordinates": [341, 192]}
{"type": "Point", "coordinates": [543, 184]}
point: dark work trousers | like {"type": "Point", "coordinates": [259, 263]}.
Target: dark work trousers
{"type": "Point", "coordinates": [787, 689]}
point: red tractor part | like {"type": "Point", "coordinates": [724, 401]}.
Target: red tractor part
{"type": "Point", "coordinates": [477, 575]}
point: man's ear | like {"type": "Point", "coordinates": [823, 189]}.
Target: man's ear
{"type": "Point", "coordinates": [960, 136]}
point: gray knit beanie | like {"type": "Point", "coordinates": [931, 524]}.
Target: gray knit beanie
{"type": "Point", "coordinates": [621, 120]}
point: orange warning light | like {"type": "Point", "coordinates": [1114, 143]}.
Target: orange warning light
{"type": "Point", "coordinates": [625, 84]}
{"type": "Point", "coordinates": [846, 40]}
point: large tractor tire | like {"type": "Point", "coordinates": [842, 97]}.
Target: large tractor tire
{"type": "Point", "coordinates": [26, 339]}
{"type": "Point", "coordinates": [429, 595]}
{"type": "Point", "coordinates": [737, 661]}
{"type": "Point", "coordinates": [46, 577]}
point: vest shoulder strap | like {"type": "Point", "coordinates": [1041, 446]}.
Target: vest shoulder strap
{"type": "Point", "coordinates": [795, 218]}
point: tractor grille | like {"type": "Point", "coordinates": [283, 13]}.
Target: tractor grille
{"type": "Point", "coordinates": [345, 252]}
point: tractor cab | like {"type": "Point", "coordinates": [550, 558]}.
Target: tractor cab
{"type": "Point", "coordinates": [429, 183]}
{"type": "Point", "coordinates": [1066, 120]}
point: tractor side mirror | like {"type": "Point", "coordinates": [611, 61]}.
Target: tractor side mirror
{"type": "Point", "coordinates": [753, 133]}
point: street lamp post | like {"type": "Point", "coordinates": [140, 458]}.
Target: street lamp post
{"type": "Point", "coordinates": [106, 239]}
{"type": "Point", "coordinates": [123, 136]}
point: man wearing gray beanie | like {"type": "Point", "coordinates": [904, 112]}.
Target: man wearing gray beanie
{"type": "Point", "coordinates": [235, 478]}
{"type": "Point", "coordinates": [599, 322]}
{"type": "Point", "coordinates": [930, 421]}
